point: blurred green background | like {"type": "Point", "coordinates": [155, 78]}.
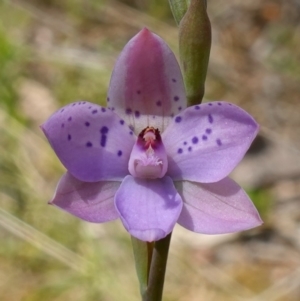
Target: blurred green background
{"type": "Point", "coordinates": [54, 52]}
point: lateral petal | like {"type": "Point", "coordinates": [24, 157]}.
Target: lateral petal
{"type": "Point", "coordinates": [92, 142]}
{"type": "Point", "coordinates": [206, 142]}
{"type": "Point", "coordinates": [92, 202]}
{"type": "Point", "coordinates": [216, 208]}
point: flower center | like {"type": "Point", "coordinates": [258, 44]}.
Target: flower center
{"type": "Point", "coordinates": [148, 158]}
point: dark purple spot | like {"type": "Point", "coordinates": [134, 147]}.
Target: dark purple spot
{"type": "Point", "coordinates": [230, 104]}
{"type": "Point", "coordinates": [137, 114]}
{"type": "Point", "coordinates": [204, 137]}
{"type": "Point", "coordinates": [112, 108]}
{"type": "Point", "coordinates": [195, 140]}
{"type": "Point", "coordinates": [79, 103]}
{"type": "Point", "coordinates": [87, 123]}
{"type": "Point", "coordinates": [70, 118]}
{"type": "Point", "coordinates": [219, 103]}
{"type": "Point", "coordinates": [173, 80]}
{"type": "Point", "coordinates": [89, 107]}
{"type": "Point", "coordinates": [210, 118]}
{"type": "Point", "coordinates": [179, 151]}
{"type": "Point", "coordinates": [153, 116]}
{"type": "Point", "coordinates": [178, 119]}
{"type": "Point", "coordinates": [107, 98]}
{"type": "Point", "coordinates": [172, 115]}
{"type": "Point", "coordinates": [120, 153]}
{"type": "Point", "coordinates": [138, 91]}
{"type": "Point", "coordinates": [74, 104]}
{"type": "Point", "coordinates": [185, 143]}
{"type": "Point", "coordinates": [131, 127]}
{"type": "Point", "coordinates": [210, 104]}
{"type": "Point", "coordinates": [104, 130]}
{"type": "Point", "coordinates": [89, 144]}
{"type": "Point", "coordinates": [128, 111]}
{"type": "Point", "coordinates": [69, 137]}
{"type": "Point", "coordinates": [122, 121]}
{"type": "Point", "coordinates": [176, 98]}
{"type": "Point", "coordinates": [208, 131]}
{"type": "Point", "coordinates": [219, 142]}
{"type": "Point", "coordinates": [197, 107]}
{"type": "Point", "coordinates": [103, 110]}
{"type": "Point", "coordinates": [94, 111]}
{"type": "Point", "coordinates": [179, 108]}
{"type": "Point", "coordinates": [190, 149]}
{"type": "Point", "coordinates": [62, 125]}
{"type": "Point", "coordinates": [62, 110]}
{"type": "Point", "coordinates": [130, 133]}
{"type": "Point", "coordinates": [103, 140]}
{"type": "Point", "coordinates": [158, 103]}
{"type": "Point", "coordinates": [84, 103]}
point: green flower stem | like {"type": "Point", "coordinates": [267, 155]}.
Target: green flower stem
{"type": "Point", "coordinates": [157, 270]}
{"type": "Point", "coordinates": [142, 252]}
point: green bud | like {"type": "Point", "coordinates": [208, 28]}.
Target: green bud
{"type": "Point", "coordinates": [179, 8]}
{"type": "Point", "coordinates": [194, 49]}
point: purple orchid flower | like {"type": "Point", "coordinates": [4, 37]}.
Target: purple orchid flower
{"type": "Point", "coordinates": [149, 160]}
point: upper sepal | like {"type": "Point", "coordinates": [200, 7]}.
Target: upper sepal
{"type": "Point", "coordinates": [146, 86]}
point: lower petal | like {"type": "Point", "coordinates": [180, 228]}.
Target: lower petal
{"type": "Point", "coordinates": [148, 208]}
{"type": "Point", "coordinates": [216, 208]}
{"type": "Point", "coordinates": [92, 202]}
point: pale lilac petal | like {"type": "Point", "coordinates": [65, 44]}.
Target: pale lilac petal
{"type": "Point", "coordinates": [92, 142]}
{"type": "Point", "coordinates": [146, 86]}
{"type": "Point", "coordinates": [92, 202]}
{"type": "Point", "coordinates": [148, 209]}
{"type": "Point", "coordinates": [216, 208]}
{"type": "Point", "coordinates": [207, 141]}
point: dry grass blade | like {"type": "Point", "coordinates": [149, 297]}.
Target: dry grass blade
{"type": "Point", "coordinates": [42, 241]}
{"type": "Point", "coordinates": [47, 19]}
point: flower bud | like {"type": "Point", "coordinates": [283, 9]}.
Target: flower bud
{"type": "Point", "coordinates": [194, 49]}
{"type": "Point", "coordinates": [178, 8]}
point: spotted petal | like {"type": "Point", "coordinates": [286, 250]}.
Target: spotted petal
{"type": "Point", "coordinates": [216, 208]}
{"type": "Point", "coordinates": [92, 142]}
{"type": "Point", "coordinates": [92, 202]}
{"type": "Point", "coordinates": [146, 86]}
{"type": "Point", "coordinates": [206, 142]}
{"type": "Point", "coordinates": [148, 209]}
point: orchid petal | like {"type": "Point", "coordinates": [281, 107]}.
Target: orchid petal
{"type": "Point", "coordinates": [92, 202]}
{"type": "Point", "coordinates": [206, 142]}
{"type": "Point", "coordinates": [92, 142]}
{"type": "Point", "coordinates": [146, 86]}
{"type": "Point", "coordinates": [216, 208]}
{"type": "Point", "coordinates": [148, 208]}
